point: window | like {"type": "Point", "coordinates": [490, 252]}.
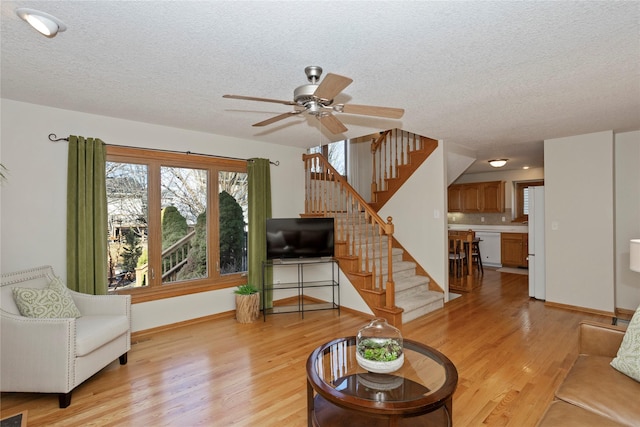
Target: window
{"type": "Point", "coordinates": [522, 199]}
{"type": "Point", "coordinates": [335, 153]}
{"type": "Point", "coordinates": [177, 222]}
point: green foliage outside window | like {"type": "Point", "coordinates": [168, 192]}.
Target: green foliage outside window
{"type": "Point", "coordinates": [231, 233]}
{"type": "Point", "coordinates": [144, 258]}
{"type": "Point", "coordinates": [174, 226]}
{"type": "Point", "coordinates": [131, 251]}
{"type": "Point", "coordinates": [196, 266]}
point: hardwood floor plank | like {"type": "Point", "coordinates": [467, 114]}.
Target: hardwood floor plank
{"type": "Point", "coordinates": [511, 353]}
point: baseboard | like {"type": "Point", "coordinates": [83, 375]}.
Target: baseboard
{"type": "Point", "coordinates": [357, 312]}
{"type": "Point", "coordinates": [623, 313]}
{"type": "Point", "coordinates": [581, 309]}
{"type": "Point", "coordinates": [294, 300]}
{"type": "Point", "coordinates": [141, 335]}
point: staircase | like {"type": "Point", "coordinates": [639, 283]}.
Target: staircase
{"type": "Point", "coordinates": [396, 154]}
{"type": "Point", "coordinates": [412, 293]}
{"type": "Point", "coordinates": [385, 276]}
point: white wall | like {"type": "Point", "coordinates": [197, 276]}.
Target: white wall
{"type": "Point", "coordinates": [458, 159]}
{"type": "Point", "coordinates": [579, 221]}
{"type": "Point", "coordinates": [419, 213]}
{"type": "Point", "coordinates": [627, 205]}
{"type": "Point", "coordinates": [349, 296]}
{"type": "Point", "coordinates": [360, 168]}
{"type": "Point", "coordinates": [33, 200]}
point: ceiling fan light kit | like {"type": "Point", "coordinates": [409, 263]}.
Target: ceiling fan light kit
{"type": "Point", "coordinates": [316, 99]}
{"type": "Point", "coordinates": [498, 163]}
{"type": "Point", "coordinates": [44, 23]}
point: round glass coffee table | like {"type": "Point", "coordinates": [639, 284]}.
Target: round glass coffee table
{"type": "Point", "coordinates": [341, 393]}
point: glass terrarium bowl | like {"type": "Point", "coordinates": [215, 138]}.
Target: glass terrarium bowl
{"type": "Point", "coordinates": [379, 347]}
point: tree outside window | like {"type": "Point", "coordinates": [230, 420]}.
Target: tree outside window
{"type": "Point", "coordinates": [161, 210]}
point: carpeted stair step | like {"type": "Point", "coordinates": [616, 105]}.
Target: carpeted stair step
{"type": "Point", "coordinates": [401, 269]}
{"type": "Point", "coordinates": [405, 284]}
{"type": "Point", "coordinates": [412, 292]}
{"type": "Point", "coordinates": [418, 302]}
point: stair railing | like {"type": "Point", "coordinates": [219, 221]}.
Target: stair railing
{"type": "Point", "coordinates": [173, 259]}
{"type": "Point", "coordinates": [366, 236]}
{"type": "Point", "coordinates": [389, 151]}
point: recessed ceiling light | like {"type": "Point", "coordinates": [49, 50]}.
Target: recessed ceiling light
{"type": "Point", "coordinates": [525, 167]}
{"type": "Point", "coordinates": [46, 24]}
{"type": "Point", "coordinates": [498, 163]}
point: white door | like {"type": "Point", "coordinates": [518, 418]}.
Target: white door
{"type": "Point", "coordinates": [536, 243]}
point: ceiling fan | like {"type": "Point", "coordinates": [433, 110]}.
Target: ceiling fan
{"type": "Point", "coordinates": [317, 100]}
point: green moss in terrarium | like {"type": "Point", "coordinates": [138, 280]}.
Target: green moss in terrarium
{"type": "Point", "coordinates": [380, 350]}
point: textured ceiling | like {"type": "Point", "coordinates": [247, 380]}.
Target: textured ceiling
{"type": "Point", "coordinates": [495, 77]}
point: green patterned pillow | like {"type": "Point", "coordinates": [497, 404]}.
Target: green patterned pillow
{"type": "Point", "coordinates": [52, 302]}
{"type": "Point", "coordinates": [628, 359]}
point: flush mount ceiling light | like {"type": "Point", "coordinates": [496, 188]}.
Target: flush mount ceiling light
{"type": "Point", "coordinates": [43, 22]}
{"type": "Point", "coordinates": [498, 163]}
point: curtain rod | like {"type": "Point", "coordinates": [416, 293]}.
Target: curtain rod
{"type": "Point", "coordinates": [54, 138]}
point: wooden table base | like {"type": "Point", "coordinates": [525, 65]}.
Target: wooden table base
{"type": "Point", "coordinates": [326, 414]}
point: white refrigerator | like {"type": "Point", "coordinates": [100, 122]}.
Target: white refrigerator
{"type": "Point", "coordinates": [536, 243]}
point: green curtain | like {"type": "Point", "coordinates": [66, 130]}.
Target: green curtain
{"type": "Point", "coordinates": [259, 176]}
{"type": "Point", "coordinates": [86, 216]}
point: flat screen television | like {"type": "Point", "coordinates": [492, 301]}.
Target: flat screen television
{"type": "Point", "coordinates": [299, 238]}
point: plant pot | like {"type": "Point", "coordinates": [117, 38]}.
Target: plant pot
{"type": "Point", "coordinates": [247, 308]}
{"type": "Point", "coordinates": [380, 367]}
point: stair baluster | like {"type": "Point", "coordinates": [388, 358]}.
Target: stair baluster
{"type": "Point", "coordinates": [360, 233]}
{"type": "Point", "coordinates": [396, 154]}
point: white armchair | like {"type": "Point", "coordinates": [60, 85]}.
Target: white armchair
{"type": "Point", "coordinates": [56, 355]}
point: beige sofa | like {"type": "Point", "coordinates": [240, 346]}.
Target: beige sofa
{"type": "Point", "coordinates": [55, 355]}
{"type": "Point", "coordinates": [593, 393]}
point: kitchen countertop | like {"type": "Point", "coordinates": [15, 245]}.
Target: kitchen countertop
{"type": "Point", "coordinates": [491, 228]}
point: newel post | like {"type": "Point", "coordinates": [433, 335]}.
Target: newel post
{"type": "Point", "coordinates": [390, 291]}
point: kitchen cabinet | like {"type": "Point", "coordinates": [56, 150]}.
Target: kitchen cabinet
{"type": "Point", "coordinates": [476, 197]}
{"type": "Point", "coordinates": [471, 198]}
{"type": "Point", "coordinates": [514, 248]}
{"type": "Point", "coordinates": [493, 196]}
{"type": "Point", "coordinates": [455, 198]}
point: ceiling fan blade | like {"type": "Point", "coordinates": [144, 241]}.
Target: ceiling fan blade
{"type": "Point", "coordinates": [371, 110]}
{"type": "Point", "coordinates": [251, 98]}
{"type": "Point", "coordinates": [332, 123]}
{"type": "Point", "coordinates": [331, 86]}
{"type": "Point", "coordinates": [276, 118]}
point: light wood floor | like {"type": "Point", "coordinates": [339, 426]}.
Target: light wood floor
{"type": "Point", "coordinates": [511, 353]}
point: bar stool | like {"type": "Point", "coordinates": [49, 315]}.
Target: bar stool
{"type": "Point", "coordinates": [474, 250]}
{"type": "Point", "coordinates": [475, 255]}
{"type": "Point", "coordinates": [457, 256]}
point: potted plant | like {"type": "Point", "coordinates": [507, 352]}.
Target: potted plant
{"type": "Point", "coordinates": [247, 303]}
{"type": "Point", "coordinates": [379, 347]}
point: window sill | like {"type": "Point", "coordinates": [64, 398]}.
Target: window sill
{"type": "Point", "coordinates": [521, 219]}
{"type": "Point", "coordinates": [159, 292]}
